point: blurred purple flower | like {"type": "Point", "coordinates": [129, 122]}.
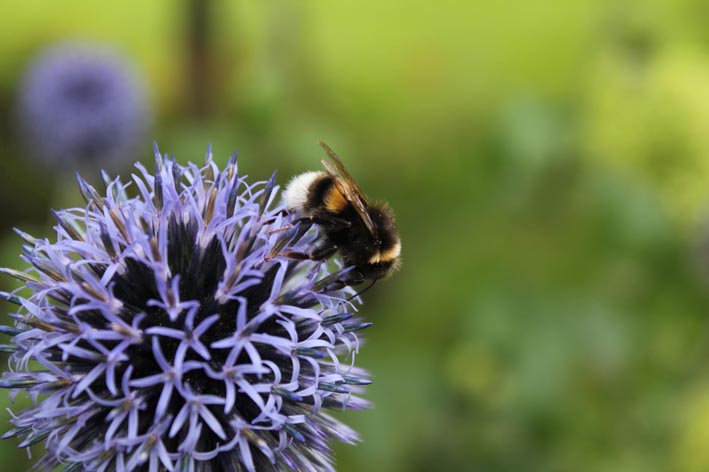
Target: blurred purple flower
{"type": "Point", "coordinates": [82, 104]}
{"type": "Point", "coordinates": [160, 332]}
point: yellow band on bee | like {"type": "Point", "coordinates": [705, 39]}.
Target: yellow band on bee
{"type": "Point", "coordinates": [335, 201]}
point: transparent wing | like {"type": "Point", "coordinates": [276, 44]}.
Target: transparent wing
{"type": "Point", "coordinates": [348, 187]}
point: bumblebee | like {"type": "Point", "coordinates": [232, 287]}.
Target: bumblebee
{"type": "Point", "coordinates": [364, 234]}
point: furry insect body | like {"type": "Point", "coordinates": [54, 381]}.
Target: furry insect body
{"type": "Point", "coordinates": [364, 234]}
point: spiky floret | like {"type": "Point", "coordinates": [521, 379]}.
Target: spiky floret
{"type": "Point", "coordinates": [157, 333]}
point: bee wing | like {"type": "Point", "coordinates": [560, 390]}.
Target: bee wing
{"type": "Point", "coordinates": [348, 187]}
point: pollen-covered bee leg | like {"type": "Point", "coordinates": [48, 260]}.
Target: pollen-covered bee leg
{"type": "Point", "coordinates": [298, 228]}
{"type": "Point", "coordinates": [319, 254]}
{"type": "Point", "coordinates": [305, 221]}
{"type": "Point", "coordinates": [279, 229]}
{"type": "Point", "coordinates": [295, 232]}
{"type": "Point", "coordinates": [281, 212]}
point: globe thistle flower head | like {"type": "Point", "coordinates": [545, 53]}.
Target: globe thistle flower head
{"type": "Point", "coordinates": [81, 104]}
{"type": "Point", "coordinates": [163, 331]}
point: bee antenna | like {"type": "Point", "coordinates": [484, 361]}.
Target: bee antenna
{"type": "Point", "coordinates": [363, 290]}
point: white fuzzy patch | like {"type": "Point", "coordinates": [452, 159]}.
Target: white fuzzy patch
{"type": "Point", "coordinates": [295, 196]}
{"type": "Point", "coordinates": [388, 255]}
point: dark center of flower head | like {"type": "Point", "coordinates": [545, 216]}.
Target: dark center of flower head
{"type": "Point", "coordinates": [85, 92]}
{"type": "Point", "coordinates": [87, 101]}
{"type": "Point", "coordinates": [83, 104]}
{"type": "Point", "coordinates": [171, 337]}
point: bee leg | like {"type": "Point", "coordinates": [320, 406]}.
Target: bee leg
{"type": "Point", "coordinates": [331, 221]}
{"type": "Point", "coordinates": [281, 212]}
{"type": "Point", "coordinates": [354, 277]}
{"type": "Point", "coordinates": [300, 226]}
{"type": "Point", "coordinates": [279, 229]}
{"type": "Point", "coordinates": [360, 292]}
{"type": "Point", "coordinates": [329, 282]}
{"type": "Point", "coordinates": [297, 229]}
{"type": "Point", "coordinates": [303, 223]}
{"type": "Point", "coordinates": [323, 252]}
{"type": "Point", "coordinates": [295, 232]}
{"type": "Point", "coordinates": [326, 221]}
{"type": "Point", "coordinates": [319, 254]}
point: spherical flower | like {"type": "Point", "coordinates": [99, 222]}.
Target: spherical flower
{"type": "Point", "coordinates": [81, 104]}
{"type": "Point", "coordinates": [165, 330]}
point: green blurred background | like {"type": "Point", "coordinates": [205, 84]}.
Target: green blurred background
{"type": "Point", "coordinates": [548, 162]}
